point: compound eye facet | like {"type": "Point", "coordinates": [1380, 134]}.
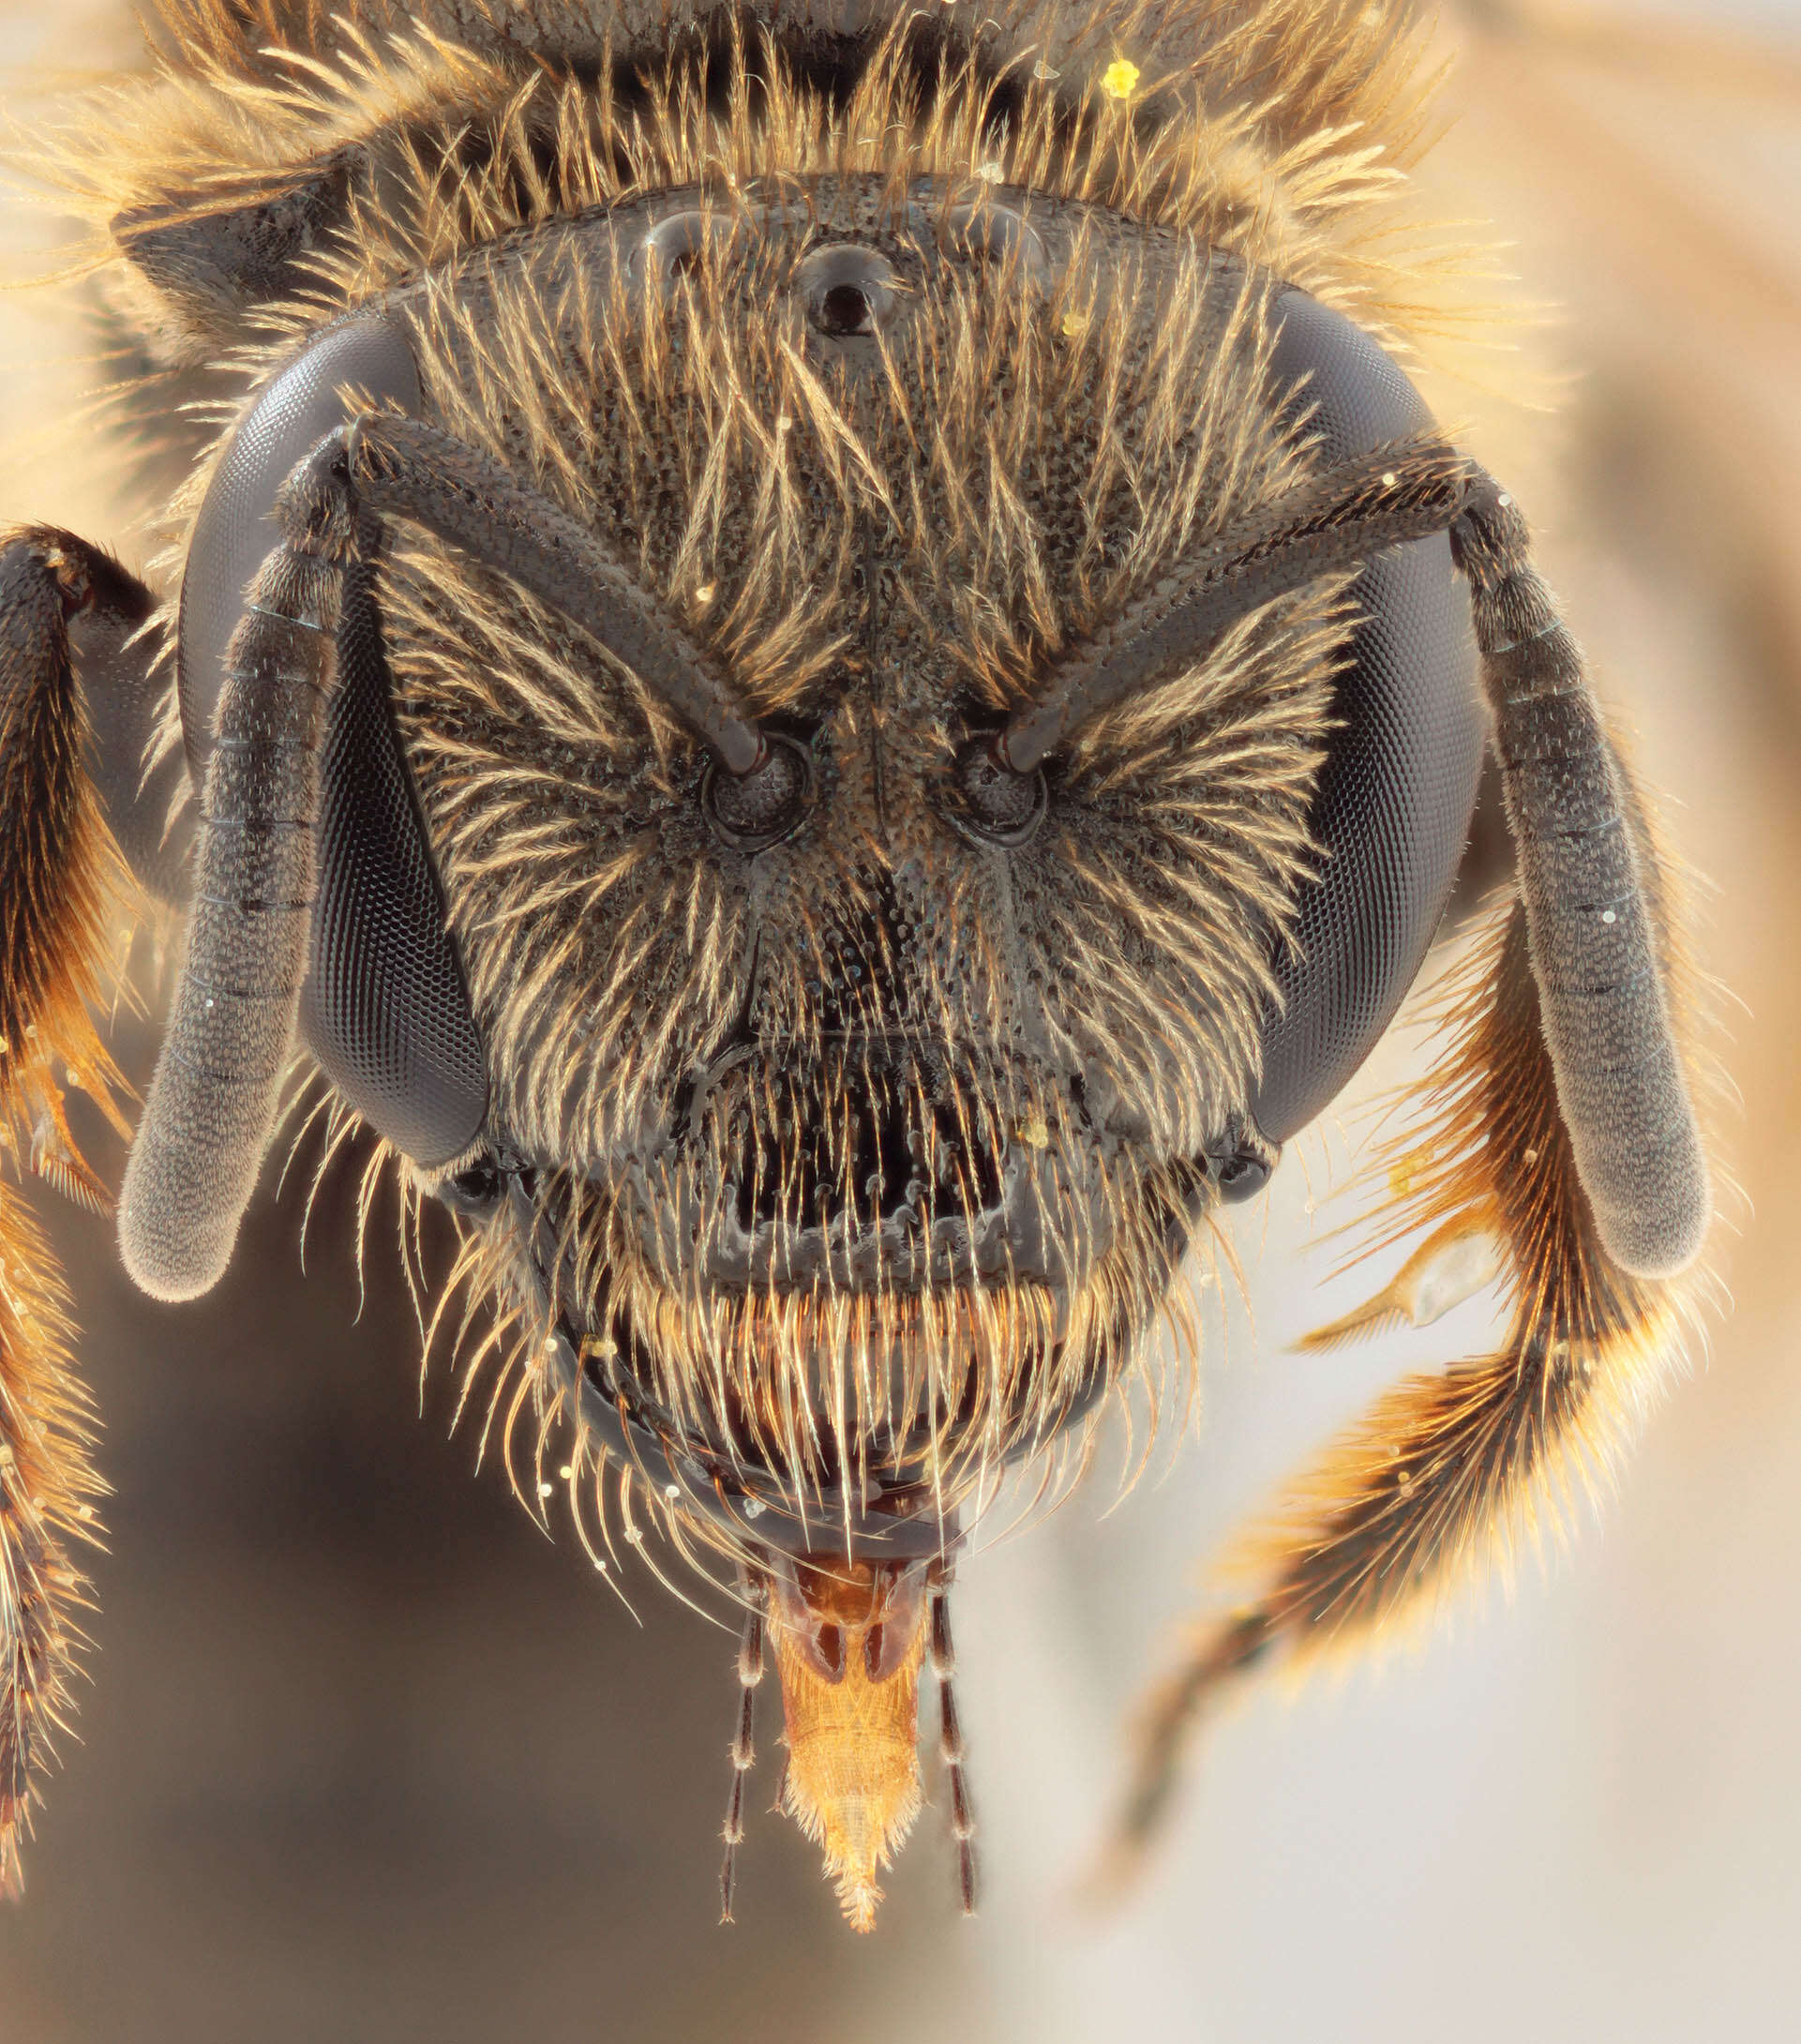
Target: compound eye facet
{"type": "Point", "coordinates": [236, 525]}
{"type": "Point", "coordinates": [848, 290]}
{"type": "Point", "coordinates": [1391, 808]}
{"type": "Point", "coordinates": [992, 802]}
{"type": "Point", "coordinates": [385, 1008]}
{"type": "Point", "coordinates": [753, 810]}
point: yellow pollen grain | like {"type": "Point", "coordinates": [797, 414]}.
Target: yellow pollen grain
{"type": "Point", "coordinates": [1034, 1132]}
{"type": "Point", "coordinates": [1119, 81]}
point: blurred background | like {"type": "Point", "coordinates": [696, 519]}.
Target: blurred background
{"type": "Point", "coordinates": [364, 1757]}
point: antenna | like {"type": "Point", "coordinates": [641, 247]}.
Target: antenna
{"type": "Point", "coordinates": [944, 1663]}
{"type": "Point", "coordinates": [744, 1752]}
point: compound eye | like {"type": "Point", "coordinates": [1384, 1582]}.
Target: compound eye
{"type": "Point", "coordinates": [993, 803]}
{"type": "Point", "coordinates": [765, 805]}
{"type": "Point", "coordinates": [385, 1008]}
{"type": "Point", "coordinates": [848, 290]}
{"type": "Point", "coordinates": [1391, 808]}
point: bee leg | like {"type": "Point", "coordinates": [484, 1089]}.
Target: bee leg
{"type": "Point", "coordinates": [67, 607]}
{"type": "Point", "coordinates": [48, 1489]}
{"type": "Point", "coordinates": [67, 614]}
{"type": "Point", "coordinates": [1446, 1468]}
{"type": "Point", "coordinates": [1560, 1124]}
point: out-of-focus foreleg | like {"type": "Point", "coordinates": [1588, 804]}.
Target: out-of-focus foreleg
{"type": "Point", "coordinates": [1559, 1150]}
{"type": "Point", "coordinates": [1445, 1469]}
{"type": "Point", "coordinates": [61, 881]}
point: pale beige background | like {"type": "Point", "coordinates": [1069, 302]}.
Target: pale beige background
{"type": "Point", "coordinates": [364, 1758]}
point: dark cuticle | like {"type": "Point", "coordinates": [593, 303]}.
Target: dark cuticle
{"type": "Point", "coordinates": [760, 807]}
{"type": "Point", "coordinates": [844, 309]}
{"type": "Point", "coordinates": [846, 290]}
{"type": "Point", "coordinates": [1242, 1176]}
{"type": "Point", "coordinates": [475, 1190]}
{"type": "Point", "coordinates": [993, 803]}
{"type": "Point", "coordinates": [1242, 1164]}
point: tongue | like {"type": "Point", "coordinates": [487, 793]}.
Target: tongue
{"type": "Point", "coordinates": [848, 1639]}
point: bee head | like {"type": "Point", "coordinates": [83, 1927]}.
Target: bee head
{"type": "Point", "coordinates": [886, 711]}
{"type": "Point", "coordinates": [870, 1091]}
{"type": "Point", "coordinates": [842, 834]}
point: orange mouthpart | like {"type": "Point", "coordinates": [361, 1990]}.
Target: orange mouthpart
{"type": "Point", "coordinates": [850, 1637]}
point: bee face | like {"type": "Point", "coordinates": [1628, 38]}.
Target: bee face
{"type": "Point", "coordinates": [825, 678]}
{"type": "Point", "coordinates": [823, 1057]}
